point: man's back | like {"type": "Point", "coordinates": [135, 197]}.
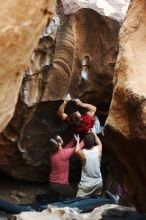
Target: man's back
{"type": "Point", "coordinates": [60, 165]}
{"type": "Point", "coordinates": [91, 174]}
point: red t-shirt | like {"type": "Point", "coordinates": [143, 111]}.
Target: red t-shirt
{"type": "Point", "coordinates": [60, 163]}
{"type": "Point", "coordinates": [87, 123]}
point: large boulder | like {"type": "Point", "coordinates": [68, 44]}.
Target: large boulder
{"type": "Point", "coordinates": [125, 132]}
{"type": "Point", "coordinates": [79, 42]}
{"type": "Point", "coordinates": [76, 54]}
{"type": "Point", "coordinates": [21, 23]}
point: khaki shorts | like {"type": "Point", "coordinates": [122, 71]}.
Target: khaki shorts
{"type": "Point", "coordinates": [94, 190]}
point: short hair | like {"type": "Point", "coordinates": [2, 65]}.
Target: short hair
{"type": "Point", "coordinates": [89, 141]}
{"type": "Point", "coordinates": [75, 120]}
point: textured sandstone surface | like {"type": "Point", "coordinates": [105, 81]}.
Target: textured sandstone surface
{"type": "Point", "coordinates": [126, 124]}
{"type": "Point", "coordinates": [77, 39]}
{"type": "Point", "coordinates": [21, 23]}
{"type": "Point", "coordinates": [56, 68]}
{"type": "Point", "coordinates": [76, 54]}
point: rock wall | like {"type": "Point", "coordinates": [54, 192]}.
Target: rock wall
{"type": "Point", "coordinates": [76, 40]}
{"type": "Point", "coordinates": [69, 49]}
{"type": "Point", "coordinates": [21, 23]}
{"type": "Point", "coordinates": [126, 124]}
{"type": "Point", "coordinates": [76, 57]}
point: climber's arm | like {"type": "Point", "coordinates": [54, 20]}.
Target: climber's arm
{"type": "Point", "coordinates": [61, 110]}
{"type": "Point", "coordinates": [91, 108]}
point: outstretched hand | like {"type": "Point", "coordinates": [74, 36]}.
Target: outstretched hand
{"type": "Point", "coordinates": [77, 137]}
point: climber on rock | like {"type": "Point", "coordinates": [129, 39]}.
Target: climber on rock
{"type": "Point", "coordinates": [80, 124]}
{"type": "Point", "coordinates": [59, 158]}
{"type": "Point", "coordinates": [91, 178]}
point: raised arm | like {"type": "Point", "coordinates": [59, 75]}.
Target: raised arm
{"type": "Point", "coordinates": [91, 108]}
{"type": "Point", "coordinates": [70, 148]}
{"type": "Point", "coordinates": [70, 144]}
{"type": "Point", "coordinates": [99, 144]}
{"type": "Point", "coordinates": [61, 110]}
{"type": "Point", "coordinates": [79, 152]}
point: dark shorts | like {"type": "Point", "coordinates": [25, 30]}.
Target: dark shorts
{"type": "Point", "coordinates": [64, 191]}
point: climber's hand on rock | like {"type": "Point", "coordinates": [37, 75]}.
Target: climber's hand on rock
{"type": "Point", "coordinates": [78, 101]}
{"type": "Point", "coordinates": [67, 98]}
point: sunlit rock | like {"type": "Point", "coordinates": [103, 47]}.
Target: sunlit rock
{"type": "Point", "coordinates": [21, 23]}
{"type": "Point", "coordinates": [126, 125]}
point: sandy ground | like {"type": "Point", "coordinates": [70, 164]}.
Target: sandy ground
{"type": "Point", "coordinates": [19, 191]}
{"type": "Point", "coordinates": [23, 192]}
